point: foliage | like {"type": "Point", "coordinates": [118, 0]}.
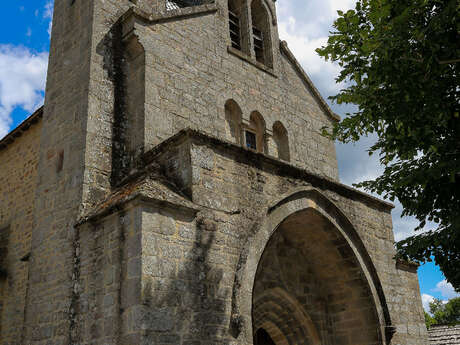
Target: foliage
{"type": "Point", "coordinates": [401, 62]}
{"type": "Point", "coordinates": [443, 313]}
{"type": "Point", "coordinates": [429, 320]}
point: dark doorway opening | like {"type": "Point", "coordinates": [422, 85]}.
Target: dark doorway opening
{"type": "Point", "coordinates": [263, 338]}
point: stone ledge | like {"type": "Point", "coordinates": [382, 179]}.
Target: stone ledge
{"type": "Point", "coordinates": [244, 57]}
{"type": "Point", "coordinates": [145, 188]}
{"type": "Point", "coordinates": [153, 18]}
{"type": "Point", "coordinates": [407, 266]}
{"type": "Point", "coordinates": [253, 158]}
{"type": "Point", "coordinates": [147, 183]}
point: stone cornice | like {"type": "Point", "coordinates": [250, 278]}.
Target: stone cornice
{"type": "Point", "coordinates": [408, 266]}
{"type": "Point", "coordinates": [135, 13]}
{"type": "Point", "coordinates": [250, 157]}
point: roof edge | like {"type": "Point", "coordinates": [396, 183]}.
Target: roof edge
{"type": "Point", "coordinates": [122, 204]}
{"type": "Point", "coordinates": [292, 59]}
{"type": "Point", "coordinates": [285, 167]}
{"type": "Point", "coordinates": [21, 128]}
{"type": "Point", "coordinates": [153, 18]}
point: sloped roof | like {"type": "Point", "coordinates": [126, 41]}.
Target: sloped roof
{"type": "Point", "coordinates": [149, 186]}
{"type": "Point", "coordinates": [23, 127]}
{"type": "Point", "coordinates": [444, 335]}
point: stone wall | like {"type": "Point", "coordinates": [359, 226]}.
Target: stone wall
{"type": "Point", "coordinates": [18, 181]}
{"type": "Point", "coordinates": [63, 192]}
{"type": "Point", "coordinates": [192, 286]}
{"type": "Point", "coordinates": [153, 269]}
{"type": "Point", "coordinates": [190, 74]}
{"type": "Point", "coordinates": [109, 285]}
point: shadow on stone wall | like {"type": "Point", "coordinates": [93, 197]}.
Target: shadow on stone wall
{"type": "Point", "coordinates": [191, 304]}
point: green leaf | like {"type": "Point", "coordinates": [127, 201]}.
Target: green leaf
{"type": "Point", "coordinates": [391, 53]}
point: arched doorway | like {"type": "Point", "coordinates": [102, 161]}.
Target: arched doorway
{"type": "Point", "coordinates": [311, 287]}
{"type": "Point", "coordinates": [263, 338]}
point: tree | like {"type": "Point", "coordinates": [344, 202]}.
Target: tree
{"type": "Point", "coordinates": [443, 313]}
{"type": "Point", "coordinates": [400, 60]}
{"type": "Point", "coordinates": [429, 320]}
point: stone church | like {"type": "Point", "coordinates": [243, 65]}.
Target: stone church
{"type": "Point", "coordinates": [175, 189]}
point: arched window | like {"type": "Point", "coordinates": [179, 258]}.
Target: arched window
{"type": "Point", "coordinates": [177, 4]}
{"type": "Point", "coordinates": [261, 33]}
{"type": "Point", "coordinates": [233, 122]}
{"type": "Point", "coordinates": [263, 338]}
{"type": "Point", "coordinates": [237, 21]}
{"type": "Point", "coordinates": [281, 139]}
{"type": "Point", "coordinates": [255, 134]}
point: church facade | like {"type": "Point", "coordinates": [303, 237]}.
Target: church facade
{"type": "Point", "coordinates": [175, 189]}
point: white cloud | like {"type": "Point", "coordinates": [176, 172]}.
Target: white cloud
{"type": "Point", "coordinates": [426, 300]}
{"type": "Point", "coordinates": [305, 25]}
{"type": "Point", "coordinates": [22, 82]}
{"type": "Point", "coordinates": [48, 14]}
{"type": "Point", "coordinates": [303, 48]}
{"type": "Point", "coordinates": [446, 290]}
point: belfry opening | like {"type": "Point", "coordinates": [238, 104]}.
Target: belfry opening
{"type": "Point", "coordinates": [310, 289]}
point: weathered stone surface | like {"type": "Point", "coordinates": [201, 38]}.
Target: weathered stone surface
{"type": "Point", "coordinates": [18, 183]}
{"type": "Point", "coordinates": [444, 335]}
{"type": "Point", "coordinates": [120, 226]}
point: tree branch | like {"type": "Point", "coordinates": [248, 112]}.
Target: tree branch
{"type": "Point", "coordinates": [447, 62]}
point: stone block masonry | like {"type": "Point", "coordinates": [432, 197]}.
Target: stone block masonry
{"type": "Point", "coordinates": [193, 281]}
{"type": "Point", "coordinates": [176, 189]}
{"type": "Point", "coordinates": [19, 155]}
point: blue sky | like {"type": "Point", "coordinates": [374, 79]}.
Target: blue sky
{"type": "Point", "coordinates": [24, 46]}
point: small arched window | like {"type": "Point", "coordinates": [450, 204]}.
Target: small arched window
{"type": "Point", "coordinates": [255, 134]}
{"type": "Point", "coordinates": [281, 139]}
{"type": "Point", "coordinates": [233, 117]}
{"type": "Point", "coordinates": [261, 33]}
{"type": "Point", "coordinates": [263, 338]}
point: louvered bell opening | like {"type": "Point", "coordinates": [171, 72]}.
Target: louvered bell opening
{"type": "Point", "coordinates": [258, 44]}
{"type": "Point", "coordinates": [177, 4]}
{"type": "Point", "coordinates": [235, 33]}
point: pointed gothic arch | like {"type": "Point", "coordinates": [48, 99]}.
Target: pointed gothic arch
{"type": "Point", "coordinates": [337, 257]}
{"type": "Point", "coordinates": [282, 317]}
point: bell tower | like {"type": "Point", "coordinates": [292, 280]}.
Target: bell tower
{"type": "Point", "coordinates": [74, 164]}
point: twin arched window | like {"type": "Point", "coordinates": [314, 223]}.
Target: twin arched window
{"type": "Point", "coordinates": [254, 134]}
{"type": "Point", "coordinates": [250, 29]}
